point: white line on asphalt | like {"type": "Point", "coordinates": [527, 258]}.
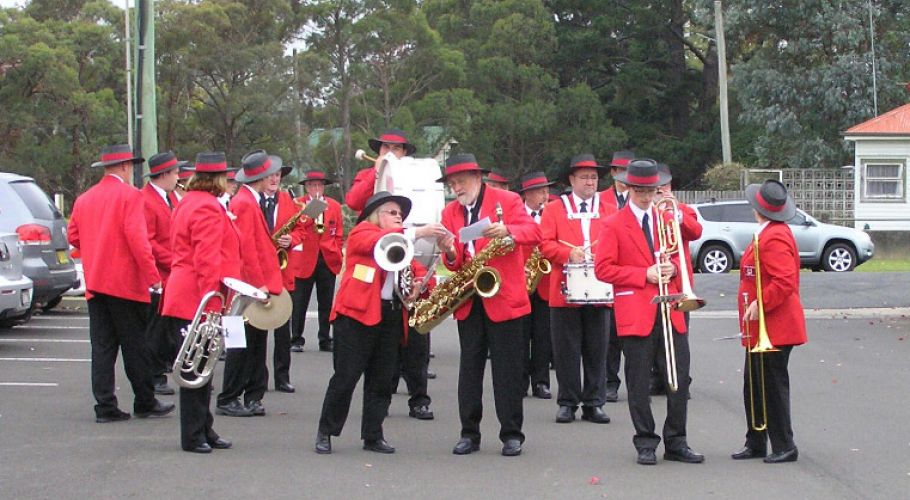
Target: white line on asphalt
{"type": "Point", "coordinates": [862, 312]}
{"type": "Point", "coordinates": [50, 327]}
{"type": "Point", "coordinates": [28, 384]}
{"type": "Point", "coordinates": [48, 341]}
{"type": "Point", "coordinates": [58, 318]}
{"type": "Point", "coordinates": [54, 360]}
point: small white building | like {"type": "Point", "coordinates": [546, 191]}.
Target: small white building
{"type": "Point", "coordinates": [882, 155]}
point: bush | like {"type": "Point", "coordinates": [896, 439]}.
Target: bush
{"type": "Point", "coordinates": [723, 176]}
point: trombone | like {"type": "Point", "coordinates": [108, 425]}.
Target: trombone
{"type": "Point", "coordinates": [669, 242]}
{"type": "Point", "coordinates": [762, 346]}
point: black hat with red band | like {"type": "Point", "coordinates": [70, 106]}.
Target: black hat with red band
{"type": "Point", "coordinates": [393, 136]}
{"type": "Point", "coordinates": [771, 200]}
{"type": "Point", "coordinates": [533, 180]}
{"type": "Point", "coordinates": [643, 173]}
{"type": "Point", "coordinates": [583, 161]}
{"type": "Point", "coordinates": [210, 163]}
{"type": "Point", "coordinates": [464, 162]}
{"type": "Point", "coordinates": [118, 153]}
{"type": "Point", "coordinates": [621, 159]}
{"type": "Point", "coordinates": [497, 177]}
{"type": "Point", "coordinates": [258, 165]}
{"type": "Point", "coordinates": [316, 175]}
{"type": "Point", "coordinates": [164, 162]}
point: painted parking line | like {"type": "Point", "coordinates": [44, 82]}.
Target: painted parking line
{"type": "Point", "coordinates": [51, 360]}
{"type": "Point", "coordinates": [47, 341]}
{"type": "Point", "coordinates": [28, 384]}
{"type": "Point", "coordinates": [49, 327]}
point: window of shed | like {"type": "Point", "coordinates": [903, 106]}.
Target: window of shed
{"type": "Point", "coordinates": [883, 181]}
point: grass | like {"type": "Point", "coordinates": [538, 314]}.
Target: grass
{"type": "Point", "coordinates": [882, 265]}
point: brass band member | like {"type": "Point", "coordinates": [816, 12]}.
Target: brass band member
{"type": "Point", "coordinates": [369, 322]}
{"type": "Point", "coordinates": [206, 250]}
{"type": "Point", "coordinates": [391, 141]}
{"type": "Point", "coordinates": [496, 180]}
{"type": "Point", "coordinates": [778, 268]}
{"type": "Point", "coordinates": [107, 226]}
{"type": "Point", "coordinates": [489, 325]}
{"type": "Point", "coordinates": [570, 227]}
{"type": "Point", "coordinates": [245, 369]}
{"type": "Point", "coordinates": [534, 190]}
{"type": "Point", "coordinates": [626, 256]}
{"type": "Point", "coordinates": [183, 177]}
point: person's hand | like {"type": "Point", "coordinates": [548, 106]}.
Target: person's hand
{"type": "Point", "coordinates": [653, 274]}
{"type": "Point", "coordinates": [667, 269]}
{"type": "Point", "coordinates": [284, 241]}
{"type": "Point", "coordinates": [576, 255]}
{"type": "Point", "coordinates": [435, 230]}
{"type": "Point", "coordinates": [446, 242]}
{"type": "Point", "coordinates": [496, 230]}
{"type": "Point", "coordinates": [751, 313]}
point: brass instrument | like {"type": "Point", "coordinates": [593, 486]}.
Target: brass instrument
{"type": "Point", "coordinates": [762, 346]}
{"type": "Point", "coordinates": [669, 242]}
{"type": "Point", "coordinates": [320, 224]}
{"type": "Point", "coordinates": [203, 339]}
{"type": "Point", "coordinates": [362, 155]}
{"type": "Point", "coordinates": [474, 277]}
{"type": "Point", "coordinates": [283, 230]}
{"type": "Point", "coordinates": [764, 341]}
{"type": "Point", "coordinates": [668, 207]}
{"type": "Point", "coordinates": [535, 267]}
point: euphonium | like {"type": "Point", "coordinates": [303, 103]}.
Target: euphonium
{"type": "Point", "coordinates": [535, 267]}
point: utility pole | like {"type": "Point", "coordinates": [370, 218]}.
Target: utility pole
{"type": "Point", "coordinates": [722, 81]}
{"type": "Point", "coordinates": [872, 44]}
{"type": "Point", "coordinates": [129, 73]}
{"type": "Point", "coordinates": [146, 116]}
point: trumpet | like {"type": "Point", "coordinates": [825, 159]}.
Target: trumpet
{"type": "Point", "coordinates": [363, 156]}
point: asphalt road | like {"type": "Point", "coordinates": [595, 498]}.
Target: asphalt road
{"type": "Point", "coordinates": [849, 387]}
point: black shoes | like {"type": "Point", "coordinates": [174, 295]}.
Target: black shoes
{"type": "Point", "coordinates": [431, 375]}
{"type": "Point", "coordinates": [233, 409]}
{"type": "Point", "coordinates": [790, 455]}
{"type": "Point", "coordinates": [159, 410]}
{"type": "Point", "coordinates": [116, 415]}
{"type": "Point", "coordinates": [256, 408]}
{"type": "Point", "coordinates": [421, 413]}
{"type": "Point", "coordinates": [297, 348]}
{"type": "Point", "coordinates": [378, 445]}
{"type": "Point", "coordinates": [612, 395]}
{"type": "Point", "coordinates": [202, 448]}
{"type": "Point", "coordinates": [541, 391]}
{"type": "Point", "coordinates": [285, 387]}
{"type": "Point", "coordinates": [646, 456]}
{"type": "Point", "coordinates": [594, 414]}
{"type": "Point", "coordinates": [465, 446]}
{"type": "Point", "coordinates": [325, 346]}
{"type": "Point", "coordinates": [565, 414]}
{"type": "Point", "coordinates": [323, 443]}
{"type": "Point", "coordinates": [511, 448]}
{"type": "Point", "coordinates": [747, 453]}
{"type": "Point", "coordinates": [685, 455]}
{"type": "Point", "coordinates": [162, 389]}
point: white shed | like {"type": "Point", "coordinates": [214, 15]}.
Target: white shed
{"type": "Point", "coordinates": [880, 171]}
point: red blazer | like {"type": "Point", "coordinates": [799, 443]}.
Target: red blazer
{"type": "Point", "coordinates": [108, 227]}
{"type": "Point", "coordinates": [361, 189]}
{"type": "Point", "coordinates": [287, 209]}
{"type": "Point", "coordinates": [608, 196]}
{"type": "Point", "coordinates": [555, 225]}
{"type": "Point", "coordinates": [779, 255]}
{"type": "Point", "coordinates": [512, 300]}
{"type": "Point", "coordinates": [206, 249]}
{"type": "Point", "coordinates": [622, 258]}
{"type": "Point", "coordinates": [260, 261]}
{"type": "Point", "coordinates": [328, 243]}
{"type": "Point", "coordinates": [158, 225]}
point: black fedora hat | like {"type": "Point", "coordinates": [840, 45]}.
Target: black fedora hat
{"type": "Point", "coordinates": [643, 173]}
{"type": "Point", "coordinates": [464, 162]}
{"type": "Point", "coordinates": [770, 199]}
{"type": "Point", "coordinates": [315, 174]}
{"type": "Point", "coordinates": [381, 197]}
{"type": "Point", "coordinates": [164, 162]}
{"type": "Point", "coordinates": [495, 176]}
{"type": "Point", "coordinates": [393, 136]}
{"type": "Point", "coordinates": [210, 163]}
{"type": "Point", "coordinates": [533, 180]}
{"type": "Point", "coordinates": [118, 153]}
{"type": "Point", "coordinates": [622, 158]}
{"type": "Point", "coordinates": [257, 165]}
{"type": "Point", "coordinates": [583, 161]}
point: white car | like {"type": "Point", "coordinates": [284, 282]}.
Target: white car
{"type": "Point", "coordinates": [15, 288]}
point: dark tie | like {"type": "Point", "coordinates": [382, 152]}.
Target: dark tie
{"type": "Point", "coordinates": [167, 198]}
{"type": "Point", "coordinates": [646, 228]}
{"type": "Point", "coordinates": [620, 201]}
{"type": "Point", "coordinates": [533, 215]}
{"type": "Point", "coordinates": [584, 207]}
{"type": "Point", "coordinates": [268, 210]}
{"type": "Point", "coordinates": [471, 214]}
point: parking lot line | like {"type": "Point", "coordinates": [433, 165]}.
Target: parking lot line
{"type": "Point", "coordinates": [48, 341]}
{"type": "Point", "coordinates": [49, 327]}
{"type": "Point", "coordinates": [53, 360]}
{"type": "Point", "coordinates": [28, 384]}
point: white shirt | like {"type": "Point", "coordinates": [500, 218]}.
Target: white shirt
{"type": "Point", "coordinates": [586, 222]}
{"type": "Point", "coordinates": [531, 212]}
{"type": "Point", "coordinates": [639, 214]}
{"type": "Point", "coordinates": [762, 227]}
{"type": "Point", "coordinates": [388, 286]}
{"type": "Point", "coordinates": [161, 193]}
{"type": "Point", "coordinates": [470, 208]}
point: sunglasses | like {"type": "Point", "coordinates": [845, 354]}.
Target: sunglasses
{"type": "Point", "coordinates": [393, 213]}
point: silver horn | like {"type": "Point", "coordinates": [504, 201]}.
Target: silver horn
{"type": "Point", "coordinates": [393, 252]}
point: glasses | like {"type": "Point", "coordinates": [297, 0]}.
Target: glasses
{"type": "Point", "coordinates": [393, 213]}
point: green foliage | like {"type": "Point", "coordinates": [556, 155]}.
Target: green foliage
{"type": "Point", "coordinates": [723, 177]}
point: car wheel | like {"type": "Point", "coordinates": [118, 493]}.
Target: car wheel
{"type": "Point", "coordinates": [18, 320]}
{"type": "Point", "coordinates": [52, 303]}
{"type": "Point", "coordinates": [839, 258]}
{"type": "Point", "coordinates": [715, 259]}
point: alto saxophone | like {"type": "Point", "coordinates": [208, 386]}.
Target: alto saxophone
{"type": "Point", "coordinates": [283, 230]}
{"type": "Point", "coordinates": [320, 224]}
{"type": "Point", "coordinates": [535, 267]}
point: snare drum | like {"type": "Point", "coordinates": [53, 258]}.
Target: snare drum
{"type": "Point", "coordinates": [582, 287]}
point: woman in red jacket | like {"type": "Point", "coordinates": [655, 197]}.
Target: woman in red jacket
{"type": "Point", "coordinates": [369, 322]}
{"type": "Point", "coordinates": [778, 264]}
{"type": "Point", "coordinates": [206, 249]}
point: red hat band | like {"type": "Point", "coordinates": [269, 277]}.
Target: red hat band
{"type": "Point", "coordinates": [164, 166]}
{"type": "Point", "coordinates": [211, 167]}
{"type": "Point", "coordinates": [462, 167]}
{"type": "Point", "coordinates": [585, 163]}
{"type": "Point", "coordinates": [531, 183]}
{"type": "Point", "coordinates": [393, 139]}
{"type": "Point", "coordinates": [642, 180]}
{"type": "Point", "coordinates": [315, 176]}
{"type": "Point", "coordinates": [621, 162]}
{"type": "Point", "coordinates": [252, 172]}
{"type": "Point", "coordinates": [767, 206]}
{"type": "Point", "coordinates": [123, 156]}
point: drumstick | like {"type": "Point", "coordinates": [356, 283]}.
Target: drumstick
{"type": "Point", "coordinates": [564, 242]}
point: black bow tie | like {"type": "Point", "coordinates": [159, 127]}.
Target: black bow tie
{"type": "Point", "coordinates": [535, 214]}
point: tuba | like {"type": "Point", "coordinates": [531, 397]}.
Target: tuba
{"type": "Point", "coordinates": [203, 339]}
{"type": "Point", "coordinates": [535, 267]}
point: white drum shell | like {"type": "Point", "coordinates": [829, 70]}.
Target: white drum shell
{"type": "Point", "coordinates": [582, 286]}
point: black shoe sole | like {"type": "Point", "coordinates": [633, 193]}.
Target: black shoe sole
{"type": "Point", "coordinates": [472, 449]}
{"type": "Point", "coordinates": [324, 452]}
{"type": "Point", "coordinates": [677, 458]}
{"type": "Point", "coordinates": [228, 413]}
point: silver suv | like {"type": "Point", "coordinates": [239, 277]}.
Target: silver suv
{"type": "Point", "coordinates": [728, 228]}
{"type": "Point", "coordinates": [27, 211]}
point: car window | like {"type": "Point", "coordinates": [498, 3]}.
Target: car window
{"type": "Point", "coordinates": [740, 212]}
{"type": "Point", "coordinates": [711, 213]}
{"type": "Point", "coordinates": [797, 220]}
{"type": "Point", "coordinates": [34, 198]}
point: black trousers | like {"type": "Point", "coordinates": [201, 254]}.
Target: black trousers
{"type": "Point", "coordinates": [324, 280]}
{"type": "Point", "coordinates": [580, 346]}
{"type": "Point", "coordinates": [245, 372]}
{"type": "Point", "coordinates": [777, 394]}
{"type": "Point", "coordinates": [371, 351]}
{"type": "Point", "coordinates": [163, 341]}
{"type": "Point", "coordinates": [540, 347]}
{"type": "Point", "coordinates": [195, 416]}
{"type": "Point", "coordinates": [614, 356]}
{"type": "Point", "coordinates": [281, 355]}
{"type": "Point", "coordinates": [117, 324]}
{"type": "Point", "coordinates": [504, 341]}
{"type": "Point", "coordinates": [413, 362]}
{"type": "Point", "coordinates": [640, 353]}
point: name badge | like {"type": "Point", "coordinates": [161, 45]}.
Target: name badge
{"type": "Point", "coordinates": [364, 273]}
{"type": "Point", "coordinates": [748, 271]}
{"type": "Point", "coordinates": [234, 332]}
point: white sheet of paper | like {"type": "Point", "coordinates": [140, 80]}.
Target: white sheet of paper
{"type": "Point", "coordinates": [474, 231]}
{"type": "Point", "coordinates": [234, 332]}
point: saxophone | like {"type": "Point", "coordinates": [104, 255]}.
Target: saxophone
{"type": "Point", "coordinates": [535, 267]}
{"type": "Point", "coordinates": [283, 230]}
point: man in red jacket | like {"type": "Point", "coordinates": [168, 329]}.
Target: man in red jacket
{"type": "Point", "coordinates": [628, 255]}
{"type": "Point", "coordinates": [159, 200]}
{"type": "Point", "coordinates": [316, 262]}
{"type": "Point", "coordinates": [245, 372]}
{"type": "Point", "coordinates": [107, 226]}
{"type": "Point", "coordinates": [393, 141]}
{"type": "Point", "coordinates": [489, 325]}
{"type": "Point", "coordinates": [496, 180]}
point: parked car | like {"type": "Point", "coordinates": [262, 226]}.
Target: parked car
{"type": "Point", "coordinates": [729, 226]}
{"type": "Point", "coordinates": [27, 211]}
{"type": "Point", "coordinates": [15, 288]}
